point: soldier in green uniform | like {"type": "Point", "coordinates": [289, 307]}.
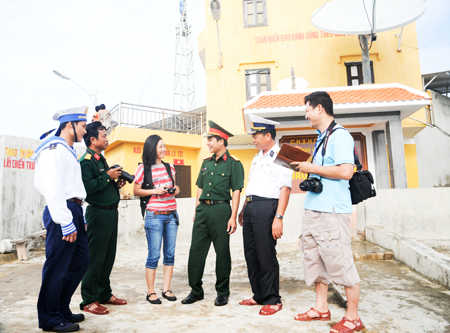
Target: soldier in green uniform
{"type": "Point", "coordinates": [214, 219]}
{"type": "Point", "coordinates": [102, 187]}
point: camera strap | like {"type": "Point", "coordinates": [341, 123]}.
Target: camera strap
{"type": "Point", "coordinates": [328, 132]}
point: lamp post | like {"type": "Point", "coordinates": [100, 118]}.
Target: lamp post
{"type": "Point", "coordinates": [215, 12]}
{"type": "Point", "coordinates": [62, 76]}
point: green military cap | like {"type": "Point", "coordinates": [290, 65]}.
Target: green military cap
{"type": "Point", "coordinates": [215, 129]}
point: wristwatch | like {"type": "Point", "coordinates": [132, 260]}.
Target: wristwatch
{"type": "Point", "coordinates": [278, 216]}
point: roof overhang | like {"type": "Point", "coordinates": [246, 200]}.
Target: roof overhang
{"type": "Point", "coordinates": [439, 82]}
{"type": "Point", "coordinates": [357, 104]}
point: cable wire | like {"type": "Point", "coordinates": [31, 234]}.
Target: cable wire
{"type": "Point", "coordinates": [370, 25]}
{"type": "Point", "coordinates": [319, 9]}
{"type": "Point", "coordinates": [157, 59]}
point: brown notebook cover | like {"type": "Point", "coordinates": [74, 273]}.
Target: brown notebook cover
{"type": "Point", "coordinates": [288, 154]}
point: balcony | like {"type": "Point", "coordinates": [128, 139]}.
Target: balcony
{"type": "Point", "coordinates": [141, 116]}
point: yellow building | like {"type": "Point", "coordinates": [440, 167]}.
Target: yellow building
{"type": "Point", "coordinates": [260, 41]}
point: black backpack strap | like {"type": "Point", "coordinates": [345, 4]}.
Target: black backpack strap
{"type": "Point", "coordinates": [169, 171]}
{"type": "Point", "coordinates": [147, 178]}
{"type": "Point", "coordinates": [357, 163]}
{"type": "Point", "coordinates": [147, 183]}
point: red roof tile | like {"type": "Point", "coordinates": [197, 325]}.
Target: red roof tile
{"type": "Point", "coordinates": [338, 97]}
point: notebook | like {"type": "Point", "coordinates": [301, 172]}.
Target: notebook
{"type": "Point", "coordinates": [288, 154]}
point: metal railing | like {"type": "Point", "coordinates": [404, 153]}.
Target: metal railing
{"type": "Point", "coordinates": [141, 116]}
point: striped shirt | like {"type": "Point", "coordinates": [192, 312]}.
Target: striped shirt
{"type": "Point", "coordinates": [165, 202]}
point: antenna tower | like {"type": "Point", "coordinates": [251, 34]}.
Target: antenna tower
{"type": "Point", "coordinates": [184, 89]}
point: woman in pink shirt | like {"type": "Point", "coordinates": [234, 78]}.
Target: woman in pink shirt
{"type": "Point", "coordinates": [161, 217]}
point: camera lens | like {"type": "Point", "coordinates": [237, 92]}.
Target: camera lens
{"type": "Point", "coordinates": [126, 176]}
{"type": "Point", "coordinates": [304, 185]}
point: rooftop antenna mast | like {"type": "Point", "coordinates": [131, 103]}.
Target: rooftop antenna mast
{"type": "Point", "coordinates": [364, 18]}
{"type": "Point", "coordinates": [184, 88]}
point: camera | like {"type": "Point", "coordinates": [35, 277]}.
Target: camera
{"type": "Point", "coordinates": [170, 190]}
{"type": "Point", "coordinates": [125, 175]}
{"type": "Point", "coordinates": [313, 185]}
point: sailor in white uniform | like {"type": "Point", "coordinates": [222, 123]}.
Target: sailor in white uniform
{"type": "Point", "coordinates": [267, 196]}
{"type": "Point", "coordinates": [58, 179]}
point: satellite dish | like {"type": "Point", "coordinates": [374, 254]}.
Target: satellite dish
{"type": "Point", "coordinates": [286, 84]}
{"type": "Point", "coordinates": [349, 17]}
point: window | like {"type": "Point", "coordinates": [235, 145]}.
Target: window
{"type": "Point", "coordinates": [355, 73]}
{"type": "Point", "coordinates": [257, 81]}
{"type": "Point", "coordinates": [255, 13]}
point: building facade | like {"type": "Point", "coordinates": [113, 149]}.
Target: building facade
{"type": "Point", "coordinates": [262, 40]}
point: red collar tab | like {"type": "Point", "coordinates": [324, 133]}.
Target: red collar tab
{"type": "Point", "coordinates": [97, 156]}
{"type": "Point", "coordinates": [225, 157]}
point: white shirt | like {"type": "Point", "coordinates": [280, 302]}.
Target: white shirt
{"type": "Point", "coordinates": [58, 178]}
{"type": "Point", "coordinates": [267, 178]}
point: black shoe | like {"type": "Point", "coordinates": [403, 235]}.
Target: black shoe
{"type": "Point", "coordinates": [64, 327]}
{"type": "Point", "coordinates": [221, 300]}
{"type": "Point", "coordinates": [191, 298]}
{"type": "Point", "coordinates": [169, 298]}
{"type": "Point", "coordinates": [75, 318]}
{"type": "Point", "coordinates": [153, 301]}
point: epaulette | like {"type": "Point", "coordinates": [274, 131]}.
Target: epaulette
{"type": "Point", "coordinates": [234, 157]}
{"type": "Point", "coordinates": [87, 156]}
{"type": "Point", "coordinates": [256, 154]}
{"type": "Point", "coordinates": [207, 158]}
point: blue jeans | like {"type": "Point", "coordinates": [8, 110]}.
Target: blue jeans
{"type": "Point", "coordinates": [157, 228]}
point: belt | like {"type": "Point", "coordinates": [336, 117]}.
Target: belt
{"type": "Point", "coordinates": [163, 212]}
{"type": "Point", "coordinates": [213, 202]}
{"type": "Point", "coordinates": [76, 200]}
{"type": "Point", "coordinates": [109, 207]}
{"type": "Point", "coordinates": [251, 198]}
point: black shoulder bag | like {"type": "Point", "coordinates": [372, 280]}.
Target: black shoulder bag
{"type": "Point", "coordinates": [361, 183]}
{"type": "Point", "coordinates": [147, 184]}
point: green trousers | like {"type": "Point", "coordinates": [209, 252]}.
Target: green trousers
{"type": "Point", "coordinates": [102, 240]}
{"type": "Point", "coordinates": [210, 225]}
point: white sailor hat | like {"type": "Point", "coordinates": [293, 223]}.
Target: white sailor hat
{"type": "Point", "coordinates": [261, 124]}
{"type": "Point", "coordinates": [66, 115]}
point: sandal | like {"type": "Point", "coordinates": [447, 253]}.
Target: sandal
{"type": "Point", "coordinates": [268, 311]}
{"type": "Point", "coordinates": [324, 316]}
{"type": "Point", "coordinates": [341, 328]}
{"type": "Point", "coordinates": [249, 302]}
{"type": "Point", "coordinates": [169, 298]}
{"type": "Point", "coordinates": [117, 301]}
{"type": "Point", "coordinates": [153, 301]}
{"type": "Point", "coordinates": [99, 310]}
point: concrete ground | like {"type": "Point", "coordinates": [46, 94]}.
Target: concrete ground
{"type": "Point", "coordinates": [393, 298]}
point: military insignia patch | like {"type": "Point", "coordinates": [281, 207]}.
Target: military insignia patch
{"type": "Point", "coordinates": [52, 146]}
{"type": "Point", "coordinates": [87, 156]}
{"type": "Point", "coordinates": [272, 153]}
{"type": "Point", "coordinates": [234, 157]}
{"type": "Point", "coordinates": [97, 156]}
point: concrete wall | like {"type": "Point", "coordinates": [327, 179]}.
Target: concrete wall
{"type": "Point", "coordinates": [131, 224]}
{"type": "Point", "coordinates": [414, 213]}
{"type": "Point", "coordinates": [21, 205]}
{"type": "Point", "coordinates": [433, 147]}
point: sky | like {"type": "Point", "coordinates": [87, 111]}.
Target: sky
{"type": "Point", "coordinates": [123, 51]}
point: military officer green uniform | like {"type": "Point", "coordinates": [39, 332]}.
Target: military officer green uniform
{"type": "Point", "coordinates": [215, 220]}
{"type": "Point", "coordinates": [102, 223]}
